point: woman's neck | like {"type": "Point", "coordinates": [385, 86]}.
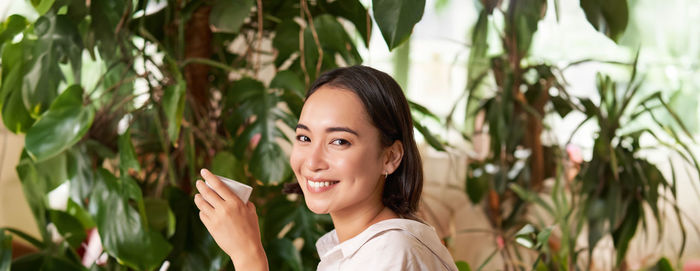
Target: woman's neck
{"type": "Point", "coordinates": [350, 223]}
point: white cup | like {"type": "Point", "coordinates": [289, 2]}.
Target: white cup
{"type": "Point", "coordinates": [241, 190]}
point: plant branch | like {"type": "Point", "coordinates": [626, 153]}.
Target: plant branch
{"type": "Point", "coordinates": [305, 7]}
{"type": "Point", "coordinates": [307, 80]}
{"type": "Point", "coordinates": [260, 37]}
{"type": "Point", "coordinates": [206, 61]}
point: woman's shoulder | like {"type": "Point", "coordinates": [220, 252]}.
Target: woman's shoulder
{"type": "Point", "coordinates": [402, 234]}
{"type": "Point", "coordinates": [395, 239]}
{"type": "Point", "coordinates": [392, 244]}
{"type": "Point", "coordinates": [408, 243]}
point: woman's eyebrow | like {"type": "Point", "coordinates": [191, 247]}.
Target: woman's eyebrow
{"type": "Point", "coordinates": [341, 129]}
{"type": "Point", "coordinates": [330, 129]}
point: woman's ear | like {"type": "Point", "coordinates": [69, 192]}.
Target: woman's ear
{"type": "Point", "coordinates": [392, 156]}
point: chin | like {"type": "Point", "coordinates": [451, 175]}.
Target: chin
{"type": "Point", "coordinates": [319, 209]}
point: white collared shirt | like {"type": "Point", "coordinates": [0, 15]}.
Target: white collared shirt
{"type": "Point", "coordinates": [392, 244]}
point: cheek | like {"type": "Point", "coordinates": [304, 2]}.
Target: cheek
{"type": "Point", "coordinates": [356, 164]}
{"type": "Point", "coordinates": [296, 160]}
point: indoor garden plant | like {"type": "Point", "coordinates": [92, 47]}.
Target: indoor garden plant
{"type": "Point", "coordinates": [122, 102]}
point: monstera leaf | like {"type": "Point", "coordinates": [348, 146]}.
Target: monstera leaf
{"type": "Point", "coordinates": [57, 40]}
{"type": "Point", "coordinates": [254, 101]}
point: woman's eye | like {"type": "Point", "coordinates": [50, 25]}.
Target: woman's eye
{"type": "Point", "coordinates": [340, 142]}
{"type": "Point", "coordinates": [303, 138]}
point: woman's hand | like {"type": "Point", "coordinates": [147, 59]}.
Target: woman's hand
{"type": "Point", "coordinates": [232, 223]}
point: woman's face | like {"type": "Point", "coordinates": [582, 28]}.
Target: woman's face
{"type": "Point", "coordinates": [337, 155]}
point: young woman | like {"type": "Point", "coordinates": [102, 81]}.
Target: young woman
{"type": "Point", "coordinates": [354, 158]}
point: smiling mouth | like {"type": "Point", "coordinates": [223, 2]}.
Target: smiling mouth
{"type": "Point", "coordinates": [320, 186]}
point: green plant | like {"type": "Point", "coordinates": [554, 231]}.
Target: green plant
{"type": "Point", "coordinates": [507, 97]}
{"type": "Point", "coordinates": [609, 194]}
{"type": "Point", "coordinates": [125, 101]}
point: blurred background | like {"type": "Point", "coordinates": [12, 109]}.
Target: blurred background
{"type": "Point", "coordinates": [556, 135]}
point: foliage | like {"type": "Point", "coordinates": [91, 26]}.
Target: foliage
{"type": "Point", "coordinates": [509, 94]}
{"type": "Point", "coordinates": [124, 102]}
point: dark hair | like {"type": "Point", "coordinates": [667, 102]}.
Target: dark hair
{"type": "Point", "coordinates": [388, 110]}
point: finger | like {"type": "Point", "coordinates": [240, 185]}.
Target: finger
{"type": "Point", "coordinates": [208, 194]}
{"type": "Point", "coordinates": [202, 204]}
{"type": "Point", "coordinates": [251, 206]}
{"type": "Point", "coordinates": [222, 189]}
{"type": "Point", "coordinates": [204, 218]}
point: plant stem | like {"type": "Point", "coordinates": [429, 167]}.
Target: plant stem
{"type": "Point", "coordinates": [206, 61]}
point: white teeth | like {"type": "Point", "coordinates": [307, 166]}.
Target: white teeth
{"type": "Point", "coordinates": [319, 184]}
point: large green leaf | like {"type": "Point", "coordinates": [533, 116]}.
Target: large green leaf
{"type": "Point", "coordinates": [607, 16]}
{"type": "Point", "coordinates": [286, 40]}
{"type": "Point", "coordinates": [228, 15]}
{"type": "Point", "coordinates": [278, 214]}
{"type": "Point", "coordinates": [66, 122]}
{"type": "Point", "coordinates": [396, 19]}
{"type": "Point", "coordinates": [306, 225]}
{"type": "Point", "coordinates": [14, 115]}
{"type": "Point", "coordinates": [356, 13]}
{"type": "Point", "coordinates": [309, 227]}
{"type": "Point", "coordinates": [124, 234]}
{"type": "Point", "coordinates": [268, 161]}
{"type": "Point", "coordinates": [58, 39]}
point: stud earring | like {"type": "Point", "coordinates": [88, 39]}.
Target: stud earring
{"type": "Point", "coordinates": [386, 175]}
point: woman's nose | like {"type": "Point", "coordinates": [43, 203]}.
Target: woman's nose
{"type": "Point", "coordinates": [316, 159]}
